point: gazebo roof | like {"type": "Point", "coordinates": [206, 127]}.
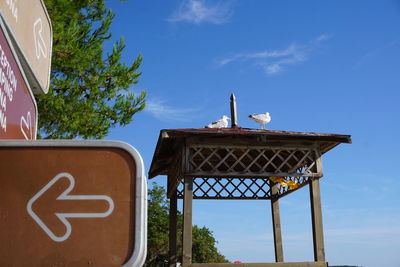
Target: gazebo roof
{"type": "Point", "coordinates": [170, 140]}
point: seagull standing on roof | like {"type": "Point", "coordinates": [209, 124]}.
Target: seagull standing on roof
{"type": "Point", "coordinates": [221, 123]}
{"type": "Point", "coordinates": [262, 118]}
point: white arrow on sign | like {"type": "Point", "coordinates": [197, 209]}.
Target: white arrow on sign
{"type": "Point", "coordinates": [39, 41]}
{"type": "Point", "coordinates": [63, 216]}
{"type": "Point", "coordinates": [26, 126]}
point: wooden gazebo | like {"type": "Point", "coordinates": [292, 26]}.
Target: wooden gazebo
{"type": "Point", "coordinates": [241, 163]}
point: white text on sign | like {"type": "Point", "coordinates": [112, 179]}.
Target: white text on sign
{"type": "Point", "coordinates": [8, 86]}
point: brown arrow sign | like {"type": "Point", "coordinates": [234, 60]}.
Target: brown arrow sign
{"type": "Point", "coordinates": [18, 111]}
{"type": "Point", "coordinates": [30, 27]}
{"type": "Point", "coordinates": [72, 203]}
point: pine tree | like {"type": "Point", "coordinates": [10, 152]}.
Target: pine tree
{"type": "Point", "coordinates": [89, 89]}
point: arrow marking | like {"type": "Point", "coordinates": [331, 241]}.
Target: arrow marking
{"type": "Point", "coordinates": [28, 124]}
{"type": "Point", "coordinates": [39, 42]}
{"type": "Point", "coordinates": [63, 216]}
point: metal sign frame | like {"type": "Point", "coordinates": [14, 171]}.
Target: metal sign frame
{"type": "Point", "coordinates": [21, 69]}
{"type": "Point", "coordinates": [138, 256]}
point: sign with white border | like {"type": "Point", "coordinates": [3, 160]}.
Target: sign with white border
{"type": "Point", "coordinates": [18, 109]}
{"type": "Point", "coordinates": [30, 27]}
{"type": "Point", "coordinates": [72, 202]}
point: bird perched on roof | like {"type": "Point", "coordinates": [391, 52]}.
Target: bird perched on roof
{"type": "Point", "coordinates": [262, 118]}
{"type": "Point", "coordinates": [221, 123]}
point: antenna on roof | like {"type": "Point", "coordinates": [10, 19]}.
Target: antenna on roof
{"type": "Point", "coordinates": [234, 122]}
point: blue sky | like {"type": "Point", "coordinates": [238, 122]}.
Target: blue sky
{"type": "Point", "coordinates": [318, 66]}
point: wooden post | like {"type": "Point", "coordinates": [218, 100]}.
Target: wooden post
{"type": "Point", "coordinates": [187, 223]}
{"type": "Point", "coordinates": [172, 230]}
{"type": "Point", "coordinates": [276, 224]}
{"type": "Point", "coordinates": [316, 217]}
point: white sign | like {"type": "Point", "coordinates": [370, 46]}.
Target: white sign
{"type": "Point", "coordinates": [30, 28]}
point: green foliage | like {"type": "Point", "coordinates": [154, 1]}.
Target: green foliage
{"type": "Point", "coordinates": [157, 225]}
{"type": "Point", "coordinates": [203, 248]}
{"type": "Point", "coordinates": [89, 90]}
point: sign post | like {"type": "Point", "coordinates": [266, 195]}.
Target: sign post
{"type": "Point", "coordinates": [18, 110]}
{"type": "Point", "coordinates": [30, 27]}
{"type": "Point", "coordinates": [82, 203]}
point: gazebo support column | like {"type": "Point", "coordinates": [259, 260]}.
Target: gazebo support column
{"type": "Point", "coordinates": [276, 224]}
{"type": "Point", "coordinates": [187, 222]}
{"type": "Point", "coordinates": [172, 230]}
{"type": "Point", "coordinates": [316, 217]}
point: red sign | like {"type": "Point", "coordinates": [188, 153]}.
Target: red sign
{"type": "Point", "coordinates": [18, 111]}
{"type": "Point", "coordinates": [72, 203]}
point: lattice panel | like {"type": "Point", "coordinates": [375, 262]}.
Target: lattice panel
{"type": "Point", "coordinates": [229, 188]}
{"type": "Point", "coordinates": [242, 161]}
{"type": "Point", "coordinates": [296, 183]}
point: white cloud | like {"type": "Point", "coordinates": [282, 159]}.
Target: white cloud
{"type": "Point", "coordinates": [196, 11]}
{"type": "Point", "coordinates": [260, 55]}
{"type": "Point", "coordinates": [275, 61]}
{"type": "Point", "coordinates": [323, 37]}
{"type": "Point", "coordinates": [370, 56]}
{"type": "Point", "coordinates": [164, 112]}
{"type": "Point", "coordinates": [273, 68]}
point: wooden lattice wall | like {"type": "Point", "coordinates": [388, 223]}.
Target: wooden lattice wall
{"type": "Point", "coordinates": [244, 172]}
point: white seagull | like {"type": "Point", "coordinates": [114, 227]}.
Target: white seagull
{"type": "Point", "coordinates": [262, 118]}
{"type": "Point", "coordinates": [221, 123]}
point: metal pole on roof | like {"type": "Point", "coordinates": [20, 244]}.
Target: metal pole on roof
{"type": "Point", "coordinates": [234, 122]}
